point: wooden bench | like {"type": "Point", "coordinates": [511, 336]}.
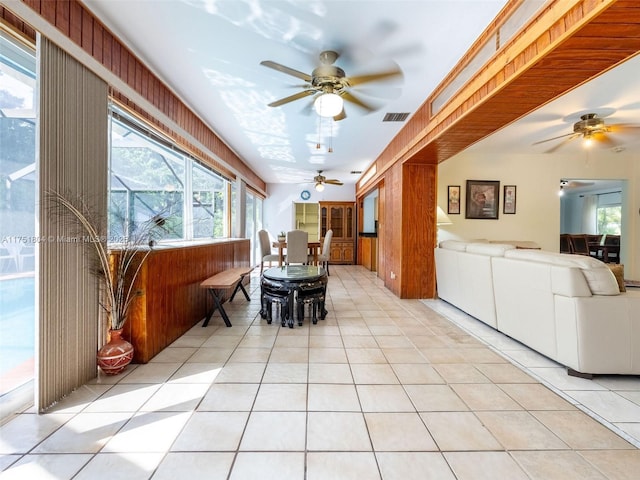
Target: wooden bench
{"type": "Point", "coordinates": [218, 283]}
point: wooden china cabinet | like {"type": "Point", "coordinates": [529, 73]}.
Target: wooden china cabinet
{"type": "Point", "coordinates": [341, 218]}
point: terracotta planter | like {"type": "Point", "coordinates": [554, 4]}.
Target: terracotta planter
{"type": "Point", "coordinates": [116, 354]}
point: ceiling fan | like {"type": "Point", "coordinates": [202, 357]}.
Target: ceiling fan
{"type": "Point", "coordinates": [320, 181]}
{"type": "Point", "coordinates": [330, 85]}
{"type": "Point", "coordinates": [574, 183]}
{"type": "Point", "coordinates": [590, 127]}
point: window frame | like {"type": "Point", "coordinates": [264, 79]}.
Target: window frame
{"type": "Point", "coordinates": [163, 146]}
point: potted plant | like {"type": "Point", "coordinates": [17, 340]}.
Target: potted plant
{"type": "Point", "coordinates": [282, 237]}
{"type": "Point", "coordinates": [116, 266]}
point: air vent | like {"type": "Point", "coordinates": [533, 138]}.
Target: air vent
{"type": "Point", "coordinates": [395, 117]}
{"type": "Point", "coordinates": [356, 172]}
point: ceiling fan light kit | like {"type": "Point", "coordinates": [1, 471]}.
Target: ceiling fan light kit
{"type": "Point", "coordinates": [328, 104]}
{"type": "Point", "coordinates": [591, 128]}
{"type": "Point", "coordinates": [319, 187]}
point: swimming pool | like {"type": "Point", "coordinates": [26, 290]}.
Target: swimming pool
{"type": "Point", "coordinates": [17, 322]}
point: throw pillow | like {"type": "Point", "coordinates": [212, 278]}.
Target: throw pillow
{"type": "Point", "coordinates": [618, 272]}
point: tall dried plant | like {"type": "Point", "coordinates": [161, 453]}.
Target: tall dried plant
{"type": "Point", "coordinates": [117, 272]}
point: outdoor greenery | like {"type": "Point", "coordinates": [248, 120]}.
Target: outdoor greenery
{"type": "Point", "coordinates": [609, 220]}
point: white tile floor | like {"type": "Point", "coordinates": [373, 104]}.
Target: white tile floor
{"type": "Point", "coordinates": [382, 389]}
{"type": "Point", "coordinates": [613, 400]}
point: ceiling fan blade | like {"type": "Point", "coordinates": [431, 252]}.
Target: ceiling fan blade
{"type": "Point", "coordinates": [562, 143]}
{"type": "Point", "coordinates": [341, 116]}
{"type": "Point", "coordinates": [360, 79]}
{"type": "Point", "coordinates": [291, 98]}
{"type": "Point", "coordinates": [554, 138]}
{"type": "Point", "coordinates": [355, 100]}
{"type": "Point", "coordinates": [380, 92]}
{"type": "Point", "coordinates": [333, 182]}
{"type": "Point", "coordinates": [287, 70]}
{"type": "Point", "coordinates": [624, 128]}
{"type": "Point", "coordinates": [602, 137]}
{"type": "Point", "coordinates": [577, 183]}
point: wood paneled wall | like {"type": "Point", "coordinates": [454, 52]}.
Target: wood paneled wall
{"type": "Point", "coordinates": [407, 235]}
{"type": "Point", "coordinates": [74, 21]}
{"type": "Point", "coordinates": [418, 230]}
{"type": "Point", "coordinates": [172, 301]}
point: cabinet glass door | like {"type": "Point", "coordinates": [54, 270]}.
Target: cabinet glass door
{"type": "Point", "coordinates": [337, 221]}
{"type": "Point", "coordinates": [323, 222]}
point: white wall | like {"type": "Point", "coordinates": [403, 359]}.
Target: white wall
{"type": "Point", "coordinates": [537, 179]}
{"type": "Point", "coordinates": [278, 207]}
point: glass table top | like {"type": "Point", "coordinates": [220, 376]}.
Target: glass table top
{"type": "Point", "coordinates": [294, 272]}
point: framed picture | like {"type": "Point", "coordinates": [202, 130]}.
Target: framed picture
{"type": "Point", "coordinates": [509, 205]}
{"type": "Point", "coordinates": [453, 199]}
{"type": "Point", "coordinates": [483, 199]}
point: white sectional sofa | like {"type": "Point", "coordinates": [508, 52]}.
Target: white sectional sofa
{"type": "Point", "coordinates": [567, 307]}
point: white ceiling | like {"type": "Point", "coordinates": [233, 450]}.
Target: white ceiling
{"type": "Point", "coordinates": [209, 52]}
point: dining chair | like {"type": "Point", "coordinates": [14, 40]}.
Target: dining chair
{"type": "Point", "coordinates": [325, 255]}
{"type": "Point", "coordinates": [565, 243]}
{"type": "Point", "coordinates": [297, 247]}
{"type": "Point", "coordinates": [580, 244]}
{"type": "Point", "coordinates": [315, 298]}
{"type": "Point", "coordinates": [279, 295]}
{"type": "Point", "coordinates": [595, 248]}
{"type": "Point", "coordinates": [611, 245]}
{"type": "Point", "coordinates": [265, 249]}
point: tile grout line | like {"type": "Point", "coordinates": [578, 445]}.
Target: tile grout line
{"type": "Point", "coordinates": [614, 428]}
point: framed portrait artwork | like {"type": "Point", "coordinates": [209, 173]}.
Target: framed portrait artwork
{"type": "Point", "coordinates": [483, 199]}
{"type": "Point", "coordinates": [453, 199]}
{"type": "Point", "coordinates": [509, 202]}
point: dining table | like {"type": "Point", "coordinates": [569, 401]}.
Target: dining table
{"type": "Point", "coordinates": [296, 281]}
{"type": "Point", "coordinates": [314, 248]}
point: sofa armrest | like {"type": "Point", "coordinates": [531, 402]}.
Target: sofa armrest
{"type": "Point", "coordinates": [599, 334]}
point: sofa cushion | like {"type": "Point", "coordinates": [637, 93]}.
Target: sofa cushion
{"type": "Point", "coordinates": [490, 249]}
{"type": "Point", "coordinates": [569, 282]}
{"type": "Point", "coordinates": [599, 278]}
{"type": "Point", "coordinates": [601, 281]}
{"type": "Point", "coordinates": [457, 245]}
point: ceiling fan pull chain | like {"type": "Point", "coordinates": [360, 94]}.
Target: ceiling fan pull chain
{"type": "Point", "coordinates": [319, 128]}
{"type": "Point", "coordinates": [331, 135]}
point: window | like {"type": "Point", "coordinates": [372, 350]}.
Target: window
{"type": "Point", "coordinates": [153, 179]}
{"type": "Point", "coordinates": [18, 175]}
{"type": "Point", "coordinates": [609, 213]}
{"type": "Point", "coordinates": [609, 219]}
{"type": "Point", "coordinates": [209, 200]}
